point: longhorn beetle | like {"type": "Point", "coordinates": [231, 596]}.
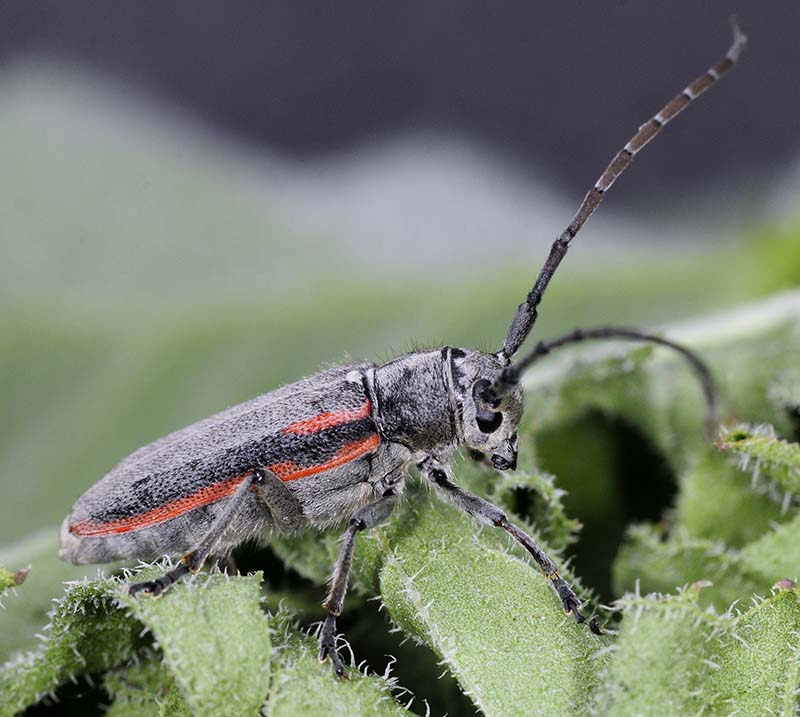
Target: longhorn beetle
{"type": "Point", "coordinates": [337, 445]}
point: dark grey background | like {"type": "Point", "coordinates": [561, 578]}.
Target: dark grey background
{"type": "Point", "coordinates": [552, 84]}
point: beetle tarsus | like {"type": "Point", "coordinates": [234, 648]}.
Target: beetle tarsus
{"type": "Point", "coordinates": [151, 588]}
{"type": "Point", "coordinates": [572, 606]}
{"type": "Point", "coordinates": [155, 587]}
{"type": "Point", "coordinates": [327, 645]}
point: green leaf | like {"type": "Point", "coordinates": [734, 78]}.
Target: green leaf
{"type": "Point", "coordinates": [776, 554]}
{"type": "Point", "coordinates": [211, 631]}
{"type": "Point", "coordinates": [660, 565]}
{"type": "Point", "coordinates": [716, 502]}
{"type": "Point", "coordinates": [145, 689]}
{"type": "Point", "coordinates": [87, 633]}
{"type": "Point", "coordinates": [213, 637]}
{"type": "Point", "coordinates": [773, 463]}
{"type": "Point", "coordinates": [672, 657]}
{"type": "Point", "coordinates": [648, 562]}
{"type": "Point", "coordinates": [203, 648]}
{"type": "Point", "coordinates": [493, 619]}
{"type": "Point", "coordinates": [659, 657]}
{"type": "Point", "coordinates": [759, 658]}
{"type": "Point", "coordinates": [302, 685]}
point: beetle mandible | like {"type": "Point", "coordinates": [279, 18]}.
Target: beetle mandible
{"type": "Point", "coordinates": [337, 445]}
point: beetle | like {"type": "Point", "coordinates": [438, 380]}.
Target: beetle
{"type": "Point", "coordinates": [336, 446]}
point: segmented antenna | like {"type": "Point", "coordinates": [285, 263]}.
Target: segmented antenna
{"type": "Point", "coordinates": [511, 375]}
{"type": "Point", "coordinates": [527, 311]}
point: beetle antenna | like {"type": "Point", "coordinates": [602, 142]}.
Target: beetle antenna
{"type": "Point", "coordinates": [527, 312]}
{"type": "Point", "coordinates": [511, 375]}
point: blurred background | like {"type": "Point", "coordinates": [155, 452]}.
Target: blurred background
{"type": "Point", "coordinates": [201, 201]}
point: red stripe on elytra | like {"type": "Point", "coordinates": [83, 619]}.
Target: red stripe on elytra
{"type": "Point", "coordinates": [204, 496]}
{"type": "Point", "coordinates": [286, 471]}
{"type": "Point", "coordinates": [328, 419]}
{"type": "Point", "coordinates": [291, 471]}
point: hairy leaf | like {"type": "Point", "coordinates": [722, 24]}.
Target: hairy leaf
{"type": "Point", "coordinates": [303, 686]}
{"type": "Point", "coordinates": [673, 657]}
{"type": "Point", "coordinates": [773, 463]}
{"type": "Point", "coordinates": [213, 637]}
{"type": "Point", "coordinates": [493, 620]}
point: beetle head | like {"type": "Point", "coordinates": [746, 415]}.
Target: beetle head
{"type": "Point", "coordinates": [488, 425]}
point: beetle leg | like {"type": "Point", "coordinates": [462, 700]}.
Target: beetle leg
{"type": "Point", "coordinates": [363, 519]}
{"type": "Point", "coordinates": [281, 502]}
{"type": "Point", "coordinates": [192, 561]}
{"type": "Point", "coordinates": [489, 513]}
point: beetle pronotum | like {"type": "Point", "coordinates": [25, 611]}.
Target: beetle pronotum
{"type": "Point", "coordinates": [337, 445]}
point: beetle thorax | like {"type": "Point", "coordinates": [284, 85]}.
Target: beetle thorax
{"type": "Point", "coordinates": [412, 403]}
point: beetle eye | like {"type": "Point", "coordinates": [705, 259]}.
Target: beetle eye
{"type": "Point", "coordinates": [488, 421]}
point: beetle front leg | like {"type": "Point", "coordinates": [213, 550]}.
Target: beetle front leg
{"type": "Point", "coordinates": [193, 560]}
{"type": "Point", "coordinates": [489, 513]}
{"type": "Point", "coordinates": [363, 519]}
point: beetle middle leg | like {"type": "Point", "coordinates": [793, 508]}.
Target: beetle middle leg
{"type": "Point", "coordinates": [489, 513]}
{"type": "Point", "coordinates": [363, 519]}
{"type": "Point", "coordinates": [193, 560]}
